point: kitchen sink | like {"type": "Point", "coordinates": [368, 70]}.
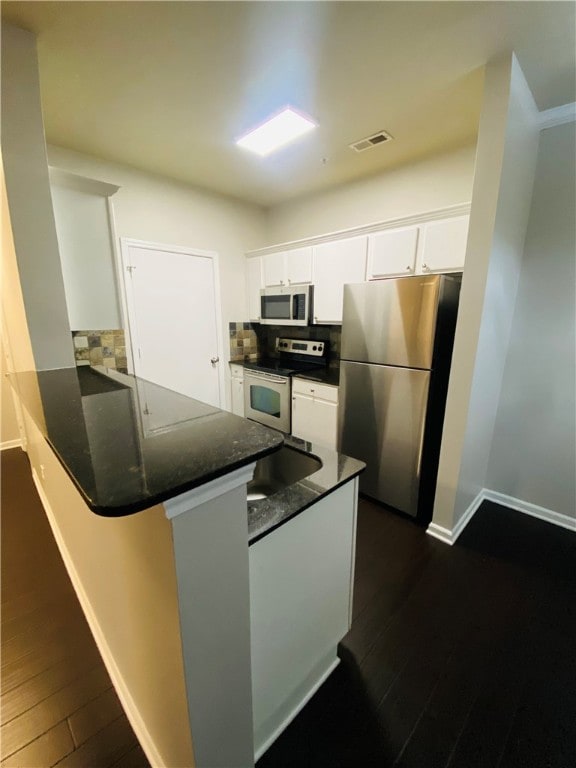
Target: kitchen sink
{"type": "Point", "coordinates": [280, 470]}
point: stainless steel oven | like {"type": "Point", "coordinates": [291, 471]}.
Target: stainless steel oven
{"type": "Point", "coordinates": [268, 381]}
{"type": "Point", "coordinates": [267, 399]}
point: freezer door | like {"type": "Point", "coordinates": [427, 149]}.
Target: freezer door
{"type": "Point", "coordinates": [391, 322]}
{"type": "Point", "coordinates": [381, 419]}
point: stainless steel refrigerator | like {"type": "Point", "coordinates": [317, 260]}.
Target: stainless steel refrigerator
{"type": "Point", "coordinates": [397, 337]}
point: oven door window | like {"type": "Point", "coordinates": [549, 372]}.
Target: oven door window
{"type": "Point", "coordinates": [276, 307]}
{"type": "Point", "coordinates": [265, 400]}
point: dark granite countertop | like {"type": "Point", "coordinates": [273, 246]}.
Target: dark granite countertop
{"type": "Point", "coordinates": [128, 444]}
{"type": "Point", "coordinates": [323, 376]}
{"type": "Point", "coordinates": [267, 514]}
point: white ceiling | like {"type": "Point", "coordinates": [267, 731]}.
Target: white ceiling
{"type": "Point", "coordinates": [168, 86]}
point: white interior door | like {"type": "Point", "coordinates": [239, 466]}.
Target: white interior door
{"type": "Point", "coordinates": [173, 309]}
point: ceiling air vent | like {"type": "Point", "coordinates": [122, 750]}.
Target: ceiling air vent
{"type": "Point", "coordinates": [370, 141]}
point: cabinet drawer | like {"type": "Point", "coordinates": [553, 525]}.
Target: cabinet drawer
{"type": "Point", "coordinates": [237, 371]}
{"type": "Point", "coordinates": [315, 389]}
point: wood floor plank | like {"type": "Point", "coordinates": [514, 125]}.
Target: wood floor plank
{"type": "Point", "coordinates": [438, 729]}
{"type": "Point", "coordinates": [94, 716]}
{"type": "Point", "coordinates": [104, 748]}
{"type": "Point", "coordinates": [32, 723]}
{"type": "Point", "coordinates": [134, 758]}
{"type": "Point", "coordinates": [33, 691]}
{"type": "Point", "coordinates": [44, 751]}
{"type": "Point", "coordinates": [62, 630]}
{"type": "Point", "coordinates": [51, 668]}
{"type": "Point", "coordinates": [538, 736]}
{"type": "Point", "coordinates": [494, 698]}
{"type": "Point", "coordinates": [54, 651]}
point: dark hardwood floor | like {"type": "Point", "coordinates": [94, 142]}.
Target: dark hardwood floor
{"type": "Point", "coordinates": [58, 704]}
{"type": "Point", "coordinates": [459, 657]}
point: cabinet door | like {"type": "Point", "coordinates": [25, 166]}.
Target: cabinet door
{"type": "Point", "coordinates": [444, 248]}
{"type": "Point", "coordinates": [335, 264]}
{"type": "Point", "coordinates": [253, 286]}
{"type": "Point", "coordinates": [325, 423]}
{"type": "Point", "coordinates": [314, 420]}
{"type": "Point", "coordinates": [392, 253]}
{"type": "Point", "coordinates": [238, 396]}
{"type": "Point", "coordinates": [302, 416]}
{"type": "Point", "coordinates": [273, 269]}
{"type": "Point", "coordinates": [299, 265]}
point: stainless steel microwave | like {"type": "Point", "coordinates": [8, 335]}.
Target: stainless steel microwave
{"type": "Point", "coordinates": [290, 305]}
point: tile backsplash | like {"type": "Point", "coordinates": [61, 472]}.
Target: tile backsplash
{"type": "Point", "coordinates": [243, 342]}
{"type": "Point", "coordinates": [248, 341]}
{"type": "Point", "coordinates": [101, 348]}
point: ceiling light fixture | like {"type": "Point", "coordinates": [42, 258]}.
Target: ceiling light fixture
{"type": "Point", "coordinates": [278, 130]}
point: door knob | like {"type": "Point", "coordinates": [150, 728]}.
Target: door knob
{"type": "Point", "coordinates": [214, 360]}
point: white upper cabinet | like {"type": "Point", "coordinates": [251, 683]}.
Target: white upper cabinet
{"type": "Point", "coordinates": [254, 284]}
{"type": "Point", "coordinates": [392, 253]}
{"type": "Point", "coordinates": [335, 264]}
{"type": "Point", "coordinates": [444, 245]}
{"type": "Point", "coordinates": [417, 248]}
{"type": "Point", "coordinates": [299, 265]}
{"type": "Point", "coordinates": [287, 267]}
{"type": "Point", "coordinates": [273, 269]}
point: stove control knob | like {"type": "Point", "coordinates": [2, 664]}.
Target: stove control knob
{"type": "Point", "coordinates": [314, 348]}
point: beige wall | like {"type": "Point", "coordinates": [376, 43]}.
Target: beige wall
{"type": "Point", "coordinates": [9, 431]}
{"type": "Point", "coordinates": [123, 570]}
{"type": "Point", "coordinates": [505, 165]}
{"type": "Point", "coordinates": [436, 182]}
{"type": "Point", "coordinates": [533, 454]}
{"type": "Point", "coordinates": [30, 203]}
{"type": "Point", "coordinates": [15, 335]}
{"type": "Point", "coordinates": [153, 208]}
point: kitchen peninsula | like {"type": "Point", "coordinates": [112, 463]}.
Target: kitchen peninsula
{"type": "Point", "coordinates": [157, 548]}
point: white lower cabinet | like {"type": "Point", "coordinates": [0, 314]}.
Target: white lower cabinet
{"type": "Point", "coordinates": [301, 578]}
{"type": "Point", "coordinates": [237, 384]}
{"type": "Point", "coordinates": [315, 412]}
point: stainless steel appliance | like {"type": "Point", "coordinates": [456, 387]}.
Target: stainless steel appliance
{"type": "Point", "coordinates": [268, 381]}
{"type": "Point", "coordinates": [286, 305]}
{"type": "Point", "coordinates": [397, 337]}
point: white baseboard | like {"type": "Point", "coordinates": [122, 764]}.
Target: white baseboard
{"type": "Point", "coordinates": [10, 444]}
{"type": "Point", "coordinates": [126, 699]}
{"type": "Point", "coordinates": [556, 518]}
{"type": "Point", "coordinates": [449, 536]}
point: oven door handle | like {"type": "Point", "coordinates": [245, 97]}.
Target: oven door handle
{"type": "Point", "coordinates": [266, 377]}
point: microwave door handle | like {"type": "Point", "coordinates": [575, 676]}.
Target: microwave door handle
{"type": "Point", "coordinates": [295, 306]}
